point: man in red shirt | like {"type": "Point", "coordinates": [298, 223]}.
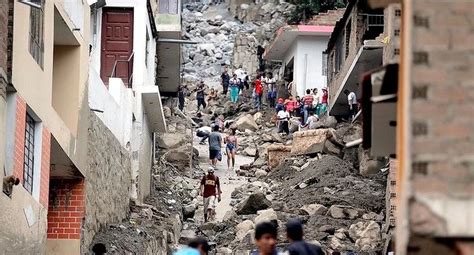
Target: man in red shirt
{"type": "Point", "coordinates": [210, 188]}
{"type": "Point", "coordinates": [307, 104]}
{"type": "Point", "coordinates": [258, 93]}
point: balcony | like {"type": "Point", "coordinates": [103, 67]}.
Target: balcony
{"type": "Point", "coordinates": [73, 10]}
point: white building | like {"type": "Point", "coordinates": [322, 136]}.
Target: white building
{"type": "Point", "coordinates": [300, 50]}
{"type": "Point", "coordinates": [123, 89]}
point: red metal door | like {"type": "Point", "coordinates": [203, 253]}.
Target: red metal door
{"type": "Point", "coordinates": [117, 44]}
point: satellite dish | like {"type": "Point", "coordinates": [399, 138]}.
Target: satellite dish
{"type": "Point", "coordinates": [33, 3]}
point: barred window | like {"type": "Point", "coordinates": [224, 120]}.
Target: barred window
{"type": "Point", "coordinates": [28, 164]}
{"type": "Point", "coordinates": [37, 33]}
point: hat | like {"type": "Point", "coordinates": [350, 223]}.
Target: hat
{"type": "Point", "coordinates": [210, 169]}
{"type": "Point", "coordinates": [325, 88]}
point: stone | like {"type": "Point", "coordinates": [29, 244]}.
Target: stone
{"type": "Point", "coordinates": [313, 209]}
{"type": "Point", "coordinates": [230, 215]}
{"type": "Point", "coordinates": [170, 141]}
{"type": "Point", "coordinates": [372, 216]}
{"type": "Point", "coordinates": [253, 203]}
{"type": "Point", "coordinates": [250, 151]}
{"type": "Point", "coordinates": [224, 251]}
{"type": "Point", "coordinates": [208, 225]}
{"type": "Point", "coordinates": [186, 236]}
{"type": "Point", "coordinates": [343, 212]}
{"type": "Point", "coordinates": [243, 228]}
{"type": "Point", "coordinates": [246, 122]}
{"type": "Point", "coordinates": [336, 244]}
{"type": "Point", "coordinates": [327, 229]}
{"type": "Point", "coordinates": [366, 234]}
{"type": "Point", "coordinates": [260, 173]}
{"type": "Point", "coordinates": [265, 216]}
{"type": "Point", "coordinates": [189, 211]}
{"type": "Point", "coordinates": [326, 122]}
{"type": "Point", "coordinates": [166, 111]}
{"type": "Point", "coordinates": [180, 157]}
{"type": "Point", "coordinates": [258, 116]}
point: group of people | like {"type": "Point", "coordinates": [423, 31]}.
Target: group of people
{"type": "Point", "coordinates": [266, 240]}
{"type": "Point", "coordinates": [236, 84]}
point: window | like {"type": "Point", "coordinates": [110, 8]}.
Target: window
{"type": "Point", "coordinates": [28, 164]}
{"type": "Point", "coordinates": [348, 38]}
{"type": "Point", "coordinates": [398, 13]}
{"type": "Point", "coordinates": [339, 56]}
{"type": "Point", "coordinates": [36, 33]}
{"type": "Point", "coordinates": [147, 49]}
{"type": "Point", "coordinates": [168, 6]}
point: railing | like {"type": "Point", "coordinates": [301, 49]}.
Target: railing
{"type": "Point", "coordinates": [129, 61]}
{"type": "Point", "coordinates": [75, 11]}
{"type": "Point", "coordinates": [374, 20]}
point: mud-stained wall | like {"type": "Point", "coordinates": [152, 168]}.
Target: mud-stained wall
{"type": "Point", "coordinates": [108, 181]}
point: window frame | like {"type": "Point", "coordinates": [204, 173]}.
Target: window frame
{"type": "Point", "coordinates": [36, 34]}
{"type": "Point", "coordinates": [29, 153]}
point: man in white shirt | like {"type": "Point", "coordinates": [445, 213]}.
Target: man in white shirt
{"type": "Point", "coordinates": [283, 118]}
{"type": "Point", "coordinates": [241, 74]}
{"type": "Point", "coordinates": [352, 102]}
{"type": "Point", "coordinates": [203, 132]}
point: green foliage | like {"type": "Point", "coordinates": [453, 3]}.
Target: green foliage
{"type": "Point", "coordinates": [305, 9]}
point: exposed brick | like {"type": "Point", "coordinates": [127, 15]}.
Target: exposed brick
{"type": "Point", "coordinates": [67, 208]}
{"type": "Point", "coordinates": [19, 137]}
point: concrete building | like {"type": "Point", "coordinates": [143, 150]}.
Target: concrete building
{"type": "Point", "coordinates": [4, 80]}
{"type": "Point", "coordinates": [434, 148]}
{"type": "Point", "coordinates": [300, 50]}
{"type": "Point", "coordinates": [122, 80]}
{"type": "Point", "coordinates": [353, 49]}
{"type": "Point", "coordinates": [46, 126]}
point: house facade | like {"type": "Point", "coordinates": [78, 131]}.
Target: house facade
{"type": "Point", "coordinates": [354, 47]}
{"type": "Point", "coordinates": [46, 125]}
{"type": "Point", "coordinates": [299, 49]}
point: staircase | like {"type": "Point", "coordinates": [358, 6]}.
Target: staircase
{"type": "Point", "coordinates": [327, 18]}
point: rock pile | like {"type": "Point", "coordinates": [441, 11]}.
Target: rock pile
{"type": "Point", "coordinates": [223, 40]}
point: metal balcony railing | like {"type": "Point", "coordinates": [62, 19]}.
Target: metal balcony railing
{"type": "Point", "coordinates": [374, 20]}
{"type": "Point", "coordinates": [127, 80]}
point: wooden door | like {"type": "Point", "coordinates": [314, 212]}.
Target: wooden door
{"type": "Point", "coordinates": [117, 44]}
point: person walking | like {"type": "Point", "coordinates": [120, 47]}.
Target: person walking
{"type": "Point", "coordinates": [231, 149]}
{"type": "Point", "coordinates": [209, 190]}
{"type": "Point", "coordinates": [315, 100]}
{"type": "Point", "coordinates": [215, 145]}
{"type": "Point", "coordinates": [234, 89]}
{"type": "Point", "coordinates": [294, 233]}
{"type": "Point", "coordinates": [307, 104]}
{"type": "Point", "coordinates": [182, 93]}
{"type": "Point", "coordinates": [225, 81]}
{"type": "Point", "coordinates": [352, 102]}
{"type": "Point", "coordinates": [201, 96]}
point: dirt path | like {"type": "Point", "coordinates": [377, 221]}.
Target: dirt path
{"type": "Point", "coordinates": [229, 180]}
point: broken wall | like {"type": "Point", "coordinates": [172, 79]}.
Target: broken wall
{"type": "Point", "coordinates": [108, 181]}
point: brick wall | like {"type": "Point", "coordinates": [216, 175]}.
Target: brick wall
{"type": "Point", "coordinates": [45, 168]}
{"type": "Point", "coordinates": [19, 149]}
{"type": "Point", "coordinates": [66, 209]}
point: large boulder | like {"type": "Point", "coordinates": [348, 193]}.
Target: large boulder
{"type": "Point", "coordinates": [325, 122]}
{"type": "Point", "coordinates": [243, 228]}
{"type": "Point", "coordinates": [266, 216]}
{"type": "Point", "coordinates": [367, 235]}
{"type": "Point", "coordinates": [246, 122]}
{"type": "Point", "coordinates": [255, 202]}
{"type": "Point", "coordinates": [344, 212]}
{"type": "Point", "coordinates": [189, 211]}
{"type": "Point", "coordinates": [179, 157]}
{"type": "Point", "coordinates": [170, 141]}
{"type": "Point", "coordinates": [260, 173]}
{"type": "Point", "coordinates": [250, 151]}
{"type": "Point", "coordinates": [313, 209]}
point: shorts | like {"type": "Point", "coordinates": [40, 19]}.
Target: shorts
{"type": "Point", "coordinates": [213, 154]}
{"type": "Point", "coordinates": [209, 202]}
